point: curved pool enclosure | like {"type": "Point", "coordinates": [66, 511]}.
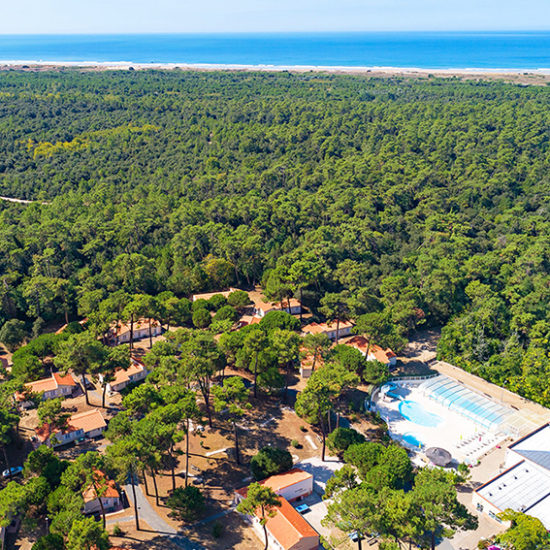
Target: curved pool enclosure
{"type": "Point", "coordinates": [478, 408]}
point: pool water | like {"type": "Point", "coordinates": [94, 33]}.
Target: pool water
{"type": "Point", "coordinates": [416, 413]}
{"type": "Point", "coordinates": [411, 439]}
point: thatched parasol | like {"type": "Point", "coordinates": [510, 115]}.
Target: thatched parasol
{"type": "Point", "coordinates": [439, 456]}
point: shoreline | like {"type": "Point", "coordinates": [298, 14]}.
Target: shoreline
{"type": "Point", "coordinates": [540, 76]}
{"type": "Point", "coordinates": [125, 65]}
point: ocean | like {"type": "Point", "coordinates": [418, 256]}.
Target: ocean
{"type": "Point", "coordinates": [427, 50]}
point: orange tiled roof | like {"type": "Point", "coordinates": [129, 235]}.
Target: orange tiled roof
{"type": "Point", "coordinates": [45, 431]}
{"type": "Point", "coordinates": [279, 482]}
{"type": "Point", "coordinates": [86, 421]}
{"type": "Point", "coordinates": [382, 355]}
{"type": "Point", "coordinates": [249, 320]}
{"type": "Point", "coordinates": [47, 384]}
{"type": "Point", "coordinates": [109, 491]}
{"type": "Point", "coordinates": [261, 302]}
{"type": "Point", "coordinates": [122, 375]}
{"type": "Point", "coordinates": [66, 380]}
{"type": "Point", "coordinates": [359, 342]}
{"type": "Point", "coordinates": [317, 328]}
{"type": "Point", "coordinates": [362, 344]}
{"type": "Point", "coordinates": [307, 361]}
{"type": "Point", "coordinates": [288, 526]}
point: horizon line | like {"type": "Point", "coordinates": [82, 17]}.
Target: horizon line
{"type": "Point", "coordinates": [272, 32]}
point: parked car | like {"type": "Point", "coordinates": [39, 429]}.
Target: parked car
{"type": "Point", "coordinates": [354, 536]}
{"type": "Point", "coordinates": [303, 508]}
{"type": "Point", "coordinates": [13, 471]}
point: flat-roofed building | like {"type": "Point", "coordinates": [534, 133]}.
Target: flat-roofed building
{"type": "Point", "coordinates": [525, 484]}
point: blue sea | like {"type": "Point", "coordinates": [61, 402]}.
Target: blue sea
{"type": "Point", "coordinates": [428, 50]}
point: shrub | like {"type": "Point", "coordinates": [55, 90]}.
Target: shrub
{"type": "Point", "coordinates": [350, 358]}
{"type": "Point", "coordinates": [296, 444]}
{"type": "Point", "coordinates": [117, 531]}
{"type": "Point", "coordinates": [74, 327]}
{"type": "Point", "coordinates": [270, 461]}
{"type": "Point", "coordinates": [49, 542]}
{"type": "Point", "coordinates": [187, 503]}
{"type": "Point", "coordinates": [199, 304]}
{"type": "Point", "coordinates": [226, 313]}
{"type": "Point", "coordinates": [216, 302]}
{"type": "Point", "coordinates": [341, 438]}
{"type": "Point", "coordinates": [202, 318]}
{"type": "Point", "coordinates": [238, 299]}
{"type": "Point", "coordinates": [26, 366]}
{"type": "Point", "coordinates": [279, 319]}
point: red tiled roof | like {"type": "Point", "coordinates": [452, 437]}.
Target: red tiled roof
{"type": "Point", "coordinates": [109, 491]}
{"type": "Point", "coordinates": [66, 380]}
{"type": "Point", "coordinates": [288, 526]}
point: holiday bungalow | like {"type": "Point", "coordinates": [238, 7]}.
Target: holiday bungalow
{"type": "Point", "coordinates": [136, 372]}
{"type": "Point", "coordinates": [375, 353]}
{"type": "Point", "coordinates": [110, 496]}
{"type": "Point", "coordinates": [287, 529]}
{"type": "Point", "coordinates": [330, 329]}
{"type": "Point", "coordinates": [119, 332]}
{"type": "Point", "coordinates": [262, 306]}
{"type": "Point", "coordinates": [88, 424]}
{"type": "Point", "coordinates": [57, 385]}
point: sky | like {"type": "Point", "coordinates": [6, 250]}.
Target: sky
{"type": "Point", "coordinates": [139, 16]}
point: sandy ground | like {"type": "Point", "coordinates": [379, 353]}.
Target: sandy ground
{"type": "Point", "coordinates": [537, 77]}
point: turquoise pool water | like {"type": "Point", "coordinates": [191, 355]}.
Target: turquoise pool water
{"type": "Point", "coordinates": [411, 439]}
{"type": "Point", "coordinates": [416, 413]}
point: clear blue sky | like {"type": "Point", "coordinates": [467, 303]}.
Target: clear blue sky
{"type": "Point", "coordinates": [119, 16]}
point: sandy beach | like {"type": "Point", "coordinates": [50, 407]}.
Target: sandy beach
{"type": "Point", "coordinates": [519, 76]}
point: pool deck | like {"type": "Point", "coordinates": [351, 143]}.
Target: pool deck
{"type": "Point", "coordinates": [464, 439]}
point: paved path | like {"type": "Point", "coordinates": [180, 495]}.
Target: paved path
{"type": "Point", "coordinates": [149, 515]}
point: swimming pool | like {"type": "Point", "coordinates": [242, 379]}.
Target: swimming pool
{"type": "Point", "coordinates": [416, 413]}
{"type": "Point", "coordinates": [412, 440]}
